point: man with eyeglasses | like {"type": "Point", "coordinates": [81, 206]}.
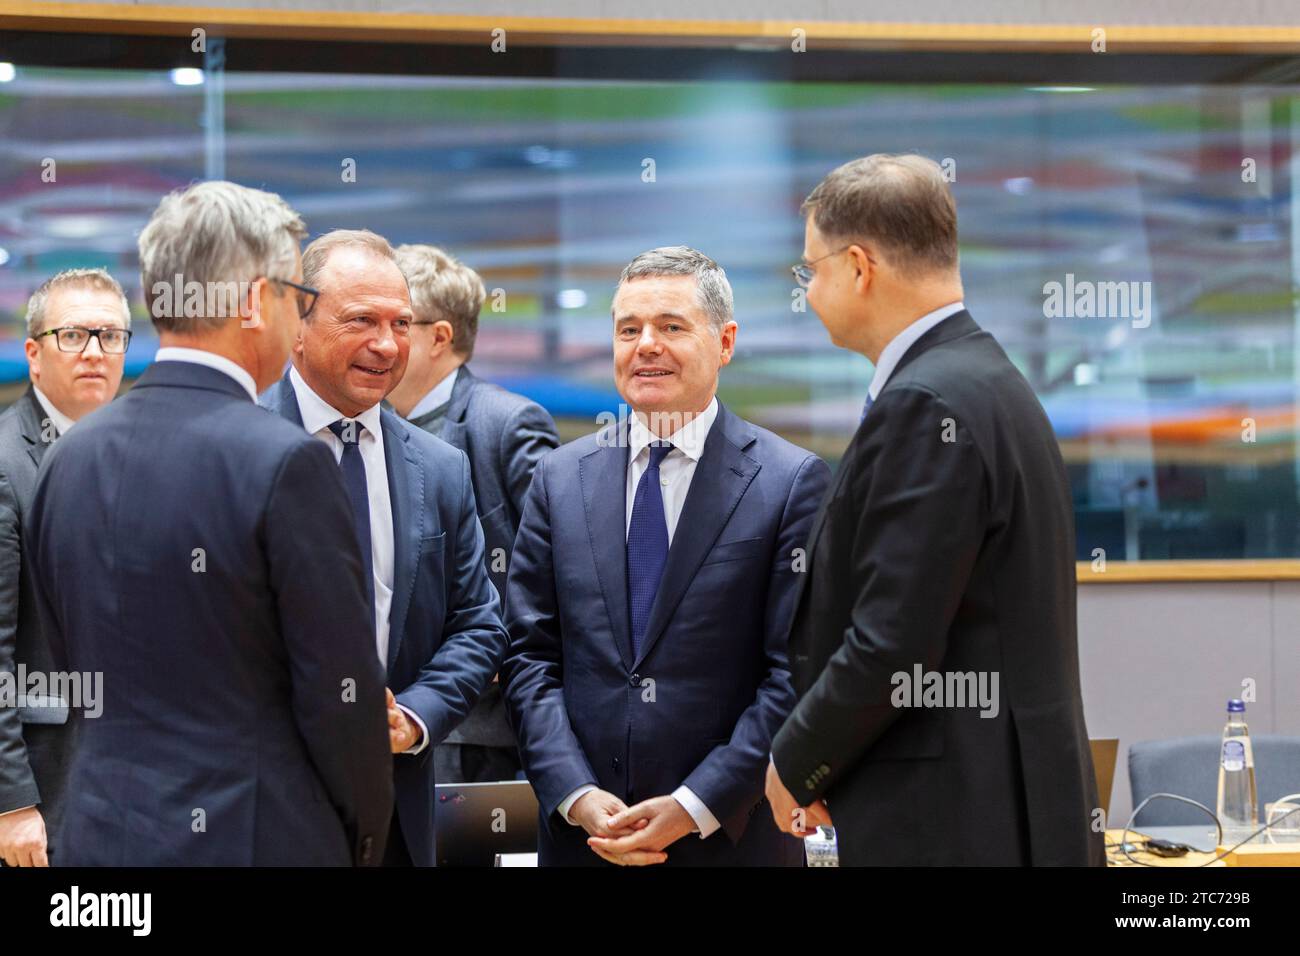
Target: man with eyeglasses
{"type": "Point", "coordinates": [942, 560]}
{"type": "Point", "coordinates": [198, 554]}
{"type": "Point", "coordinates": [78, 328]}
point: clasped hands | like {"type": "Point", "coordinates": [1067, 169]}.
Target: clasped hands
{"type": "Point", "coordinates": [630, 836]}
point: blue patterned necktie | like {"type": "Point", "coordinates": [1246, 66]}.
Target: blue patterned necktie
{"type": "Point", "coordinates": [866, 407]}
{"type": "Point", "coordinates": [354, 479]}
{"type": "Point", "coordinates": [647, 546]}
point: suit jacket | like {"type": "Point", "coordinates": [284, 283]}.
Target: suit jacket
{"type": "Point", "coordinates": [699, 704]}
{"type": "Point", "coordinates": [445, 638]}
{"type": "Point", "coordinates": [34, 748]}
{"type": "Point", "coordinates": [201, 556]}
{"type": "Point", "coordinates": [946, 544]}
{"type": "Point", "coordinates": [505, 435]}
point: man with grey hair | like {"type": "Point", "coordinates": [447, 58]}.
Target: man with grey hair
{"type": "Point", "coordinates": [944, 554]}
{"type": "Point", "coordinates": [435, 617]}
{"type": "Point", "coordinates": [650, 596]}
{"type": "Point", "coordinates": [199, 554]}
{"type": "Point", "coordinates": [78, 328]}
{"type": "Point", "coordinates": [505, 435]}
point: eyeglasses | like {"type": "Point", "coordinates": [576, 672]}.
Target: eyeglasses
{"type": "Point", "coordinates": [307, 296]}
{"type": "Point", "coordinates": [803, 273]}
{"type": "Point", "coordinates": [74, 338]}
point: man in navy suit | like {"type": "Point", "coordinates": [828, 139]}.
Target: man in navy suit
{"type": "Point", "coordinates": [198, 554]}
{"type": "Point", "coordinates": [650, 597]}
{"type": "Point", "coordinates": [437, 626]}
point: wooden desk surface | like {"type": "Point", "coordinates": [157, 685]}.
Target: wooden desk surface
{"type": "Point", "coordinates": [1114, 857]}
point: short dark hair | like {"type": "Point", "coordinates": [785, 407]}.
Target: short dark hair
{"type": "Point", "coordinates": [901, 202]}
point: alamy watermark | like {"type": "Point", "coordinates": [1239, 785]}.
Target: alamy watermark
{"type": "Point", "coordinates": [1085, 299]}
{"type": "Point", "coordinates": [922, 688]}
{"type": "Point", "coordinates": [57, 691]}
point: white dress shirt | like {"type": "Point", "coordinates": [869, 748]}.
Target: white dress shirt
{"type": "Point", "coordinates": [903, 341]}
{"type": "Point", "coordinates": [440, 394]}
{"type": "Point", "coordinates": [172, 353]}
{"type": "Point", "coordinates": [61, 421]}
{"type": "Point", "coordinates": [675, 474]}
{"type": "Point", "coordinates": [317, 416]}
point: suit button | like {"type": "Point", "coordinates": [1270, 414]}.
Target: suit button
{"type": "Point", "coordinates": [635, 680]}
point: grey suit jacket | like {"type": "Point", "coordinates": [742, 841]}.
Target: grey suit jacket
{"type": "Point", "coordinates": [33, 733]}
{"type": "Point", "coordinates": [505, 435]}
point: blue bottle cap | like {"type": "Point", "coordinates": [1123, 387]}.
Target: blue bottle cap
{"type": "Point", "coordinates": [1236, 706]}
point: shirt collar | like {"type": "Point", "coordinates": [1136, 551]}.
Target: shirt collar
{"type": "Point", "coordinates": [438, 396]}
{"type": "Point", "coordinates": [318, 414]}
{"type": "Point", "coordinates": [689, 439]}
{"type": "Point", "coordinates": [174, 353]}
{"type": "Point", "coordinates": [903, 341]}
{"type": "Point", "coordinates": [61, 421]}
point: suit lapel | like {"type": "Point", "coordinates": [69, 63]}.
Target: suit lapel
{"type": "Point", "coordinates": [454, 433]}
{"type": "Point", "coordinates": [405, 492]}
{"type": "Point", "coordinates": [32, 415]}
{"type": "Point", "coordinates": [603, 477]}
{"type": "Point", "coordinates": [721, 477]}
{"type": "Point", "coordinates": [284, 401]}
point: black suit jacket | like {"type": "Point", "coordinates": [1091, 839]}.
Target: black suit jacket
{"type": "Point", "coordinates": [201, 555]}
{"type": "Point", "coordinates": [946, 542]}
{"type": "Point", "coordinates": [33, 734]}
{"type": "Point", "coordinates": [505, 435]}
{"type": "Point", "coordinates": [699, 703]}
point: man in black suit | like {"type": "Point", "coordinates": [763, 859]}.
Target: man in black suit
{"type": "Point", "coordinates": [199, 554]}
{"type": "Point", "coordinates": [78, 328]}
{"type": "Point", "coordinates": [650, 599]}
{"type": "Point", "coordinates": [934, 646]}
{"type": "Point", "coordinates": [505, 435]}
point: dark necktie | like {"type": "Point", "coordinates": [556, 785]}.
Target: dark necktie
{"type": "Point", "coordinates": [647, 546]}
{"type": "Point", "coordinates": [866, 407]}
{"type": "Point", "coordinates": [354, 479]}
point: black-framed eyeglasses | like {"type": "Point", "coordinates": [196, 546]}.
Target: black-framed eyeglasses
{"type": "Point", "coordinates": [804, 272]}
{"type": "Point", "coordinates": [307, 296]}
{"type": "Point", "coordinates": [75, 338]}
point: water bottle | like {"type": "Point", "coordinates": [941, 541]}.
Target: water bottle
{"type": "Point", "coordinates": [1236, 778]}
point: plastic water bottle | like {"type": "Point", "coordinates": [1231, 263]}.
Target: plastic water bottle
{"type": "Point", "coordinates": [1236, 778]}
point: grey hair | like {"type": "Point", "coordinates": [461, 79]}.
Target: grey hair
{"type": "Point", "coordinates": [711, 285]}
{"type": "Point", "coordinates": [216, 233]}
{"type": "Point", "coordinates": [97, 279]}
{"type": "Point", "coordinates": [901, 201]}
{"type": "Point", "coordinates": [319, 249]}
{"type": "Point", "coordinates": [442, 287]}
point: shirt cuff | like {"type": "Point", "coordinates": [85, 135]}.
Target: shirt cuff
{"type": "Point", "coordinates": [567, 803]}
{"type": "Point", "coordinates": [705, 821]}
{"type": "Point", "coordinates": [424, 731]}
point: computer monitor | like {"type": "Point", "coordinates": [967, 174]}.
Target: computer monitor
{"type": "Point", "coordinates": [476, 821]}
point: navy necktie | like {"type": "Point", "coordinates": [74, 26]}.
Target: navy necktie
{"type": "Point", "coordinates": [647, 546]}
{"type": "Point", "coordinates": [354, 479]}
{"type": "Point", "coordinates": [866, 407]}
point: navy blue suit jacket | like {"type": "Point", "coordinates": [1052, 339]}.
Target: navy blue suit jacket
{"type": "Point", "coordinates": [199, 553]}
{"type": "Point", "coordinates": [445, 639]}
{"type": "Point", "coordinates": [700, 703]}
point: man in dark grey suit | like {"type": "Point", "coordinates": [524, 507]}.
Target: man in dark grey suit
{"type": "Point", "coordinates": [200, 555]}
{"type": "Point", "coordinates": [505, 435]}
{"type": "Point", "coordinates": [934, 645]}
{"type": "Point", "coordinates": [78, 326]}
